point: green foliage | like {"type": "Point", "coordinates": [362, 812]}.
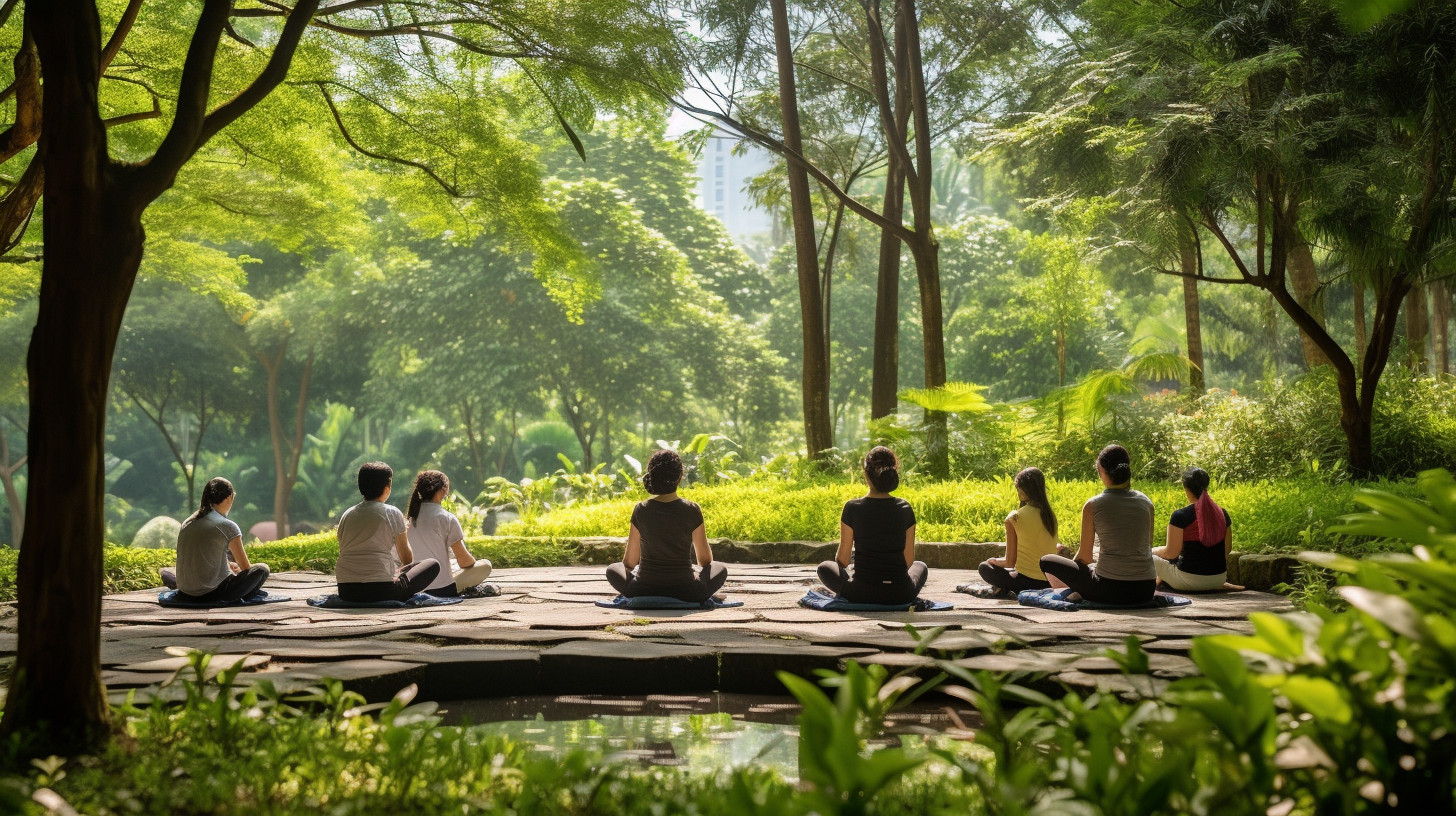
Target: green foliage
{"type": "Point", "coordinates": [1280, 515]}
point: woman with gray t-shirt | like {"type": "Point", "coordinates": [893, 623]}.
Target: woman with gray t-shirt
{"type": "Point", "coordinates": [1119, 522]}
{"type": "Point", "coordinates": [203, 572]}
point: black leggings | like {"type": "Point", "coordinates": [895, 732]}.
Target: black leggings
{"type": "Point", "coordinates": [687, 587]}
{"type": "Point", "coordinates": [410, 581]}
{"type": "Point", "coordinates": [864, 589]}
{"type": "Point", "coordinates": [1093, 587]}
{"type": "Point", "coordinates": [235, 587]}
{"type": "Point", "coordinates": [1003, 578]}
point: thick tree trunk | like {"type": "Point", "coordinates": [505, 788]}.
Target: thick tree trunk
{"type": "Point", "coordinates": [1192, 314]}
{"type": "Point", "coordinates": [1304, 278]}
{"type": "Point", "coordinates": [885, 375]}
{"type": "Point", "coordinates": [818, 431]}
{"type": "Point", "coordinates": [1441, 325]}
{"type": "Point", "coordinates": [1417, 327]}
{"type": "Point", "coordinates": [93, 248]}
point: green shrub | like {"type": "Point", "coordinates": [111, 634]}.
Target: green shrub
{"type": "Point", "coordinates": [1283, 515]}
{"type": "Point", "coordinates": [158, 534]}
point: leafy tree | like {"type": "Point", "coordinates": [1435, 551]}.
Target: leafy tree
{"type": "Point", "coordinates": [93, 232]}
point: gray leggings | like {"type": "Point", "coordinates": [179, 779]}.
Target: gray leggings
{"type": "Point", "coordinates": [864, 589]}
{"type": "Point", "coordinates": [685, 587]}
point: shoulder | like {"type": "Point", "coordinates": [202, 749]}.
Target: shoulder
{"type": "Point", "coordinates": [1014, 515]}
{"type": "Point", "coordinates": [1142, 498]}
{"type": "Point", "coordinates": [1182, 517]}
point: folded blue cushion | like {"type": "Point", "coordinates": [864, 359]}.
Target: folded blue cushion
{"type": "Point", "coordinates": [663, 602]}
{"type": "Point", "coordinates": [175, 598]}
{"type": "Point", "coordinates": [832, 603]}
{"type": "Point", "coordinates": [418, 599]}
{"type": "Point", "coordinates": [1057, 599]}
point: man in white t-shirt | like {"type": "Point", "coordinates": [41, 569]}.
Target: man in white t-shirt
{"type": "Point", "coordinates": [373, 544]}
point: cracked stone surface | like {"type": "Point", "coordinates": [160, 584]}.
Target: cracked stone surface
{"type": "Point", "coordinates": [543, 636]}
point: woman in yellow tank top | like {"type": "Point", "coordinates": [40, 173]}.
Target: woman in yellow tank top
{"type": "Point", "coordinates": [1031, 532]}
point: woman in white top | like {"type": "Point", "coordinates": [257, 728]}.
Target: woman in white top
{"type": "Point", "coordinates": [434, 532]}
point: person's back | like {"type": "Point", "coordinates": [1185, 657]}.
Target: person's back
{"type": "Point", "coordinates": [879, 526]}
{"type": "Point", "coordinates": [1123, 528]}
{"type": "Point", "coordinates": [1033, 541]}
{"type": "Point", "coordinates": [366, 543]}
{"type": "Point", "coordinates": [667, 529]}
{"type": "Point", "coordinates": [202, 544]}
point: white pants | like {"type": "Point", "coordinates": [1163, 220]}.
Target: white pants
{"type": "Point", "coordinates": [472, 576]}
{"type": "Point", "coordinates": [1169, 574]}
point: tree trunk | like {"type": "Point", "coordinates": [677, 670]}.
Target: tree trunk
{"type": "Point", "coordinates": [1305, 279]}
{"type": "Point", "coordinates": [1441, 325]}
{"type": "Point", "coordinates": [1362, 334]}
{"type": "Point", "coordinates": [924, 247]}
{"type": "Point", "coordinates": [885, 376]}
{"type": "Point", "coordinates": [8, 470]}
{"type": "Point", "coordinates": [286, 453]}
{"type": "Point", "coordinates": [93, 248]}
{"type": "Point", "coordinates": [1192, 315]}
{"type": "Point", "coordinates": [818, 432]}
{"type": "Point", "coordinates": [1417, 327]}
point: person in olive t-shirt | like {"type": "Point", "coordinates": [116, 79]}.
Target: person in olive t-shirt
{"type": "Point", "coordinates": [1117, 525]}
{"type": "Point", "coordinates": [878, 531]}
{"type": "Point", "coordinates": [203, 572]}
{"type": "Point", "coordinates": [666, 537]}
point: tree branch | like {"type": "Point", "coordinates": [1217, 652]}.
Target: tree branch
{"type": "Point", "coordinates": [118, 36]}
{"type": "Point", "coordinates": [344, 131]}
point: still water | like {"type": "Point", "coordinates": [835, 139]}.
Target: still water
{"type": "Point", "coordinates": [703, 733]}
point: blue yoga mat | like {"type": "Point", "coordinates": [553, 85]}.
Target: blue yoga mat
{"type": "Point", "coordinates": [831, 603]}
{"type": "Point", "coordinates": [1056, 599]}
{"type": "Point", "coordinates": [663, 602]}
{"type": "Point", "coordinates": [419, 599]}
{"type": "Point", "coordinates": [173, 598]}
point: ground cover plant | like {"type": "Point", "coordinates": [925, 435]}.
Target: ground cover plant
{"type": "Point", "coordinates": [1318, 712]}
{"type": "Point", "coordinates": [1275, 515]}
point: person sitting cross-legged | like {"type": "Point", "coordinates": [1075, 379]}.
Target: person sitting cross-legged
{"type": "Point", "coordinates": [434, 532]}
{"type": "Point", "coordinates": [1200, 537]}
{"type": "Point", "coordinates": [204, 574]}
{"type": "Point", "coordinates": [666, 537]}
{"type": "Point", "coordinates": [1117, 532]}
{"type": "Point", "coordinates": [373, 542]}
{"type": "Point", "coordinates": [1031, 532]}
{"type": "Point", "coordinates": [878, 532]}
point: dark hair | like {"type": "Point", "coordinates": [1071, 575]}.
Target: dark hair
{"type": "Point", "coordinates": [882, 468]}
{"type": "Point", "coordinates": [214, 492]}
{"type": "Point", "coordinates": [1195, 481]}
{"type": "Point", "coordinates": [427, 484]}
{"type": "Point", "coordinates": [1033, 483]}
{"type": "Point", "coordinates": [1117, 463]}
{"type": "Point", "coordinates": [373, 478]}
{"type": "Point", "coordinates": [663, 472]}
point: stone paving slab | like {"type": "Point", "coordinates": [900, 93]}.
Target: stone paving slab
{"type": "Point", "coordinates": [544, 637]}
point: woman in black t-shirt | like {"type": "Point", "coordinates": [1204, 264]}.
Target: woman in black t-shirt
{"type": "Point", "coordinates": [879, 531]}
{"type": "Point", "coordinates": [1200, 537]}
{"type": "Point", "coordinates": [666, 537]}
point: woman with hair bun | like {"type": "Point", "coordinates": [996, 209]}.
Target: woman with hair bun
{"type": "Point", "coordinates": [1117, 530]}
{"type": "Point", "coordinates": [1195, 558]}
{"type": "Point", "coordinates": [878, 531]}
{"type": "Point", "coordinates": [666, 537]}
{"type": "Point", "coordinates": [203, 572]}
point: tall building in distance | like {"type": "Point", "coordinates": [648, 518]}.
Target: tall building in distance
{"type": "Point", "coordinates": [723, 176]}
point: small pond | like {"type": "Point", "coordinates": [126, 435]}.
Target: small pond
{"type": "Point", "coordinates": [706, 732]}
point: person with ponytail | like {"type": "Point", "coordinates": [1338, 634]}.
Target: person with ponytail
{"type": "Point", "coordinates": [877, 535]}
{"type": "Point", "coordinates": [374, 543]}
{"type": "Point", "coordinates": [434, 532]}
{"type": "Point", "coordinates": [1031, 532]}
{"type": "Point", "coordinates": [666, 537]}
{"type": "Point", "coordinates": [1117, 532]}
{"type": "Point", "coordinates": [204, 574]}
{"type": "Point", "coordinates": [1195, 558]}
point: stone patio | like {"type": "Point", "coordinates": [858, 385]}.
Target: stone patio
{"type": "Point", "coordinates": [543, 636]}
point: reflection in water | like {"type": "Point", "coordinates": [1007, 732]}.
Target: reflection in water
{"type": "Point", "coordinates": [703, 733]}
